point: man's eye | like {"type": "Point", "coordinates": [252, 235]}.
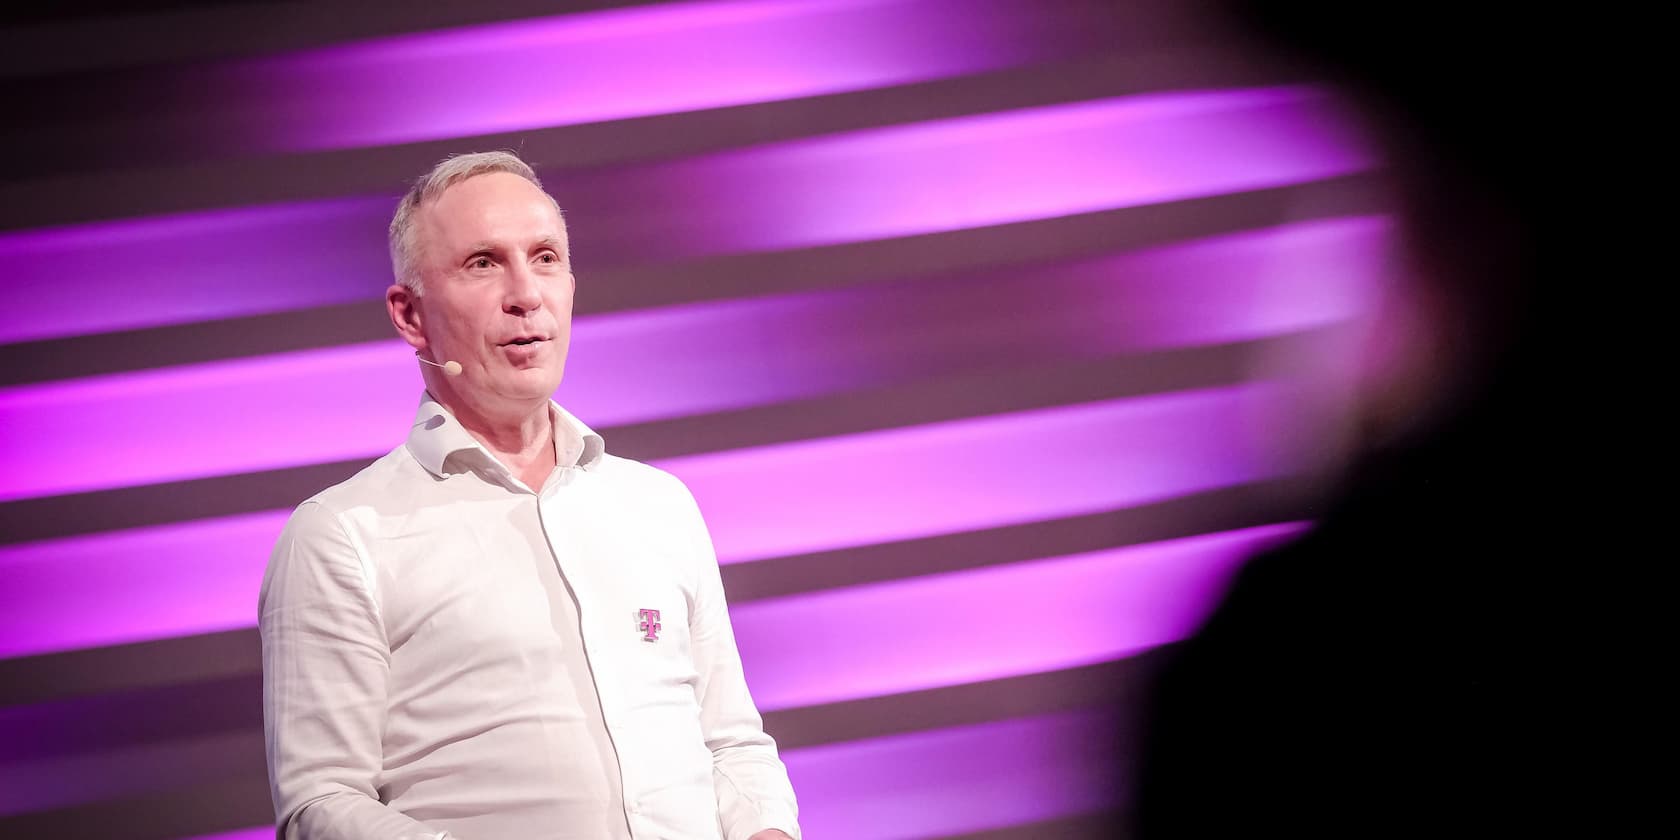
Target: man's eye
{"type": "Point", "coordinates": [548, 258]}
{"type": "Point", "coordinates": [481, 262]}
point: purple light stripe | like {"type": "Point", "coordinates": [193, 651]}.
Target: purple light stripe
{"type": "Point", "coordinates": [623, 63]}
{"type": "Point", "coordinates": [352, 402]}
{"type": "Point", "coordinates": [200, 577]}
{"type": "Point", "coordinates": [1012, 166]}
{"type": "Point", "coordinates": [1006, 621]}
{"type": "Point", "coordinates": [198, 420]}
{"type": "Point", "coordinates": [191, 267]}
{"type": "Point", "coordinates": [951, 781]}
{"type": "Point", "coordinates": [1243, 286]}
{"type": "Point", "coordinates": [939, 176]}
{"type": "Point", "coordinates": [941, 478]}
{"type": "Point", "coordinates": [134, 585]}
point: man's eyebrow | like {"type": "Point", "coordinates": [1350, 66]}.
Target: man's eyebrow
{"type": "Point", "coordinates": [487, 247]}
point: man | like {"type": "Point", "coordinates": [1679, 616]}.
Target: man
{"type": "Point", "coordinates": [498, 630]}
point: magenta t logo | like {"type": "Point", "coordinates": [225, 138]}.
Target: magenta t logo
{"type": "Point", "coordinates": [649, 625]}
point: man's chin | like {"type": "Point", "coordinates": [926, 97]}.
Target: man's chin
{"type": "Point", "coordinates": [531, 383]}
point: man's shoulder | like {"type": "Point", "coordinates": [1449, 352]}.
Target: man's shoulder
{"type": "Point", "coordinates": [643, 480]}
{"type": "Point", "coordinates": [618, 468]}
{"type": "Point", "coordinates": [386, 476]}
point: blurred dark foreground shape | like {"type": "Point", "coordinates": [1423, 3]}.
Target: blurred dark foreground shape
{"type": "Point", "coordinates": [1412, 667]}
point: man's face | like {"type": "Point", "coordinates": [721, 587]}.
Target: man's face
{"type": "Point", "coordinates": [497, 291]}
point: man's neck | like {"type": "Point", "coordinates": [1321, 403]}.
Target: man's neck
{"type": "Point", "coordinates": [522, 443]}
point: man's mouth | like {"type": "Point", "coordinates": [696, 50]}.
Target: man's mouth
{"type": "Point", "coordinates": [524, 340]}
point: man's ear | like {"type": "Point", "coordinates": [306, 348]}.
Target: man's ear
{"type": "Point", "coordinates": [404, 308]}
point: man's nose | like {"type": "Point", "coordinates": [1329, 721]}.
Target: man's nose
{"type": "Point", "coordinates": [523, 291]}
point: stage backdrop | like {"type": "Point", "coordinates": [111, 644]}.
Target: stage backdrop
{"type": "Point", "coordinates": [991, 336]}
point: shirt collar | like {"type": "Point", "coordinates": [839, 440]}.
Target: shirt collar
{"type": "Point", "coordinates": [437, 434]}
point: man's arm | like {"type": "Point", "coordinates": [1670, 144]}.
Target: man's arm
{"type": "Point", "coordinates": [755, 798]}
{"type": "Point", "coordinates": [325, 662]}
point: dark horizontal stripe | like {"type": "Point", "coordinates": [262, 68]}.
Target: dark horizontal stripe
{"type": "Point", "coordinates": [133, 667]}
{"type": "Point", "coordinates": [614, 290]}
{"type": "Point", "coordinates": [119, 720]}
{"type": "Point", "coordinates": [115, 352]}
{"type": "Point", "coordinates": [1119, 685]}
{"type": "Point", "coordinates": [43, 13]}
{"type": "Point", "coordinates": [971, 394]}
{"type": "Point", "coordinates": [1105, 826]}
{"type": "Point", "coordinates": [238, 653]}
{"type": "Point", "coordinates": [53, 40]}
{"type": "Point", "coordinates": [1225, 509]}
{"type": "Point", "coordinates": [131, 722]}
{"type": "Point", "coordinates": [153, 504]}
{"type": "Point", "coordinates": [227, 803]}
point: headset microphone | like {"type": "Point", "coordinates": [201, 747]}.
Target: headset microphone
{"type": "Point", "coordinates": [451, 367]}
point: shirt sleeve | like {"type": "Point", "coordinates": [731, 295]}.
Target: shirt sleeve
{"type": "Point", "coordinates": [325, 664]}
{"type": "Point", "coordinates": [753, 790]}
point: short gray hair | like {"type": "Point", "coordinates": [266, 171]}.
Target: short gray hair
{"type": "Point", "coordinates": [448, 172]}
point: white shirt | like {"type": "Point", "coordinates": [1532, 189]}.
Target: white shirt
{"type": "Point", "coordinates": [449, 654]}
